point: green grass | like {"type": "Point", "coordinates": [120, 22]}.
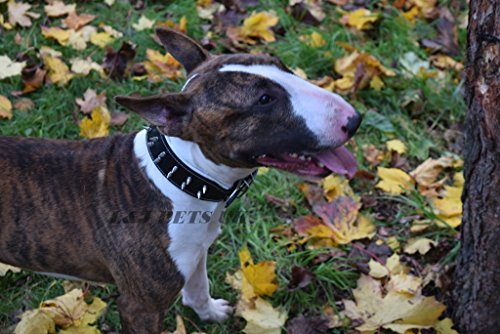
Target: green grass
{"type": "Point", "coordinates": [250, 219]}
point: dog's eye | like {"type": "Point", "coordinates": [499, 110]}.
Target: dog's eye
{"type": "Point", "coordinates": [265, 99]}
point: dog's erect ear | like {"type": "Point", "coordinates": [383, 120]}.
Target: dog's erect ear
{"type": "Point", "coordinates": [169, 112]}
{"type": "Point", "coordinates": [189, 53]}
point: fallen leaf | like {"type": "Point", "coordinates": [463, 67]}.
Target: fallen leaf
{"type": "Point", "coordinates": [160, 67]}
{"type": "Point", "coordinates": [445, 327]}
{"type": "Point", "coordinates": [5, 25]}
{"type": "Point", "coordinates": [448, 206]}
{"type": "Point", "coordinates": [9, 68]}
{"type": "Point", "coordinates": [118, 118]}
{"type": "Point", "coordinates": [111, 31]}
{"type": "Point", "coordinates": [19, 14]}
{"type": "Point", "coordinates": [395, 311]}
{"type": "Point", "coordinates": [308, 11]}
{"type": "Point", "coordinates": [394, 181]}
{"type": "Point", "coordinates": [143, 24]}
{"type": "Point", "coordinates": [342, 218]}
{"type": "Point", "coordinates": [256, 26]}
{"type": "Point", "coordinates": [116, 63]}
{"type": "Point", "coordinates": [84, 66]}
{"type": "Point", "coordinates": [91, 101]}
{"type": "Point", "coordinates": [58, 8]}
{"type": "Point", "coordinates": [69, 311]}
{"type": "Point", "coordinates": [97, 125]}
{"type": "Point", "coordinates": [60, 35]}
{"type": "Point", "coordinates": [396, 145]}
{"type": "Point", "coordinates": [5, 107]}
{"type": "Point", "coordinates": [101, 39]}
{"type": "Point", "coordinates": [420, 245]}
{"type": "Point", "coordinates": [308, 325]}
{"type": "Point", "coordinates": [427, 172]}
{"type": "Point", "coordinates": [314, 40]}
{"type": "Point", "coordinates": [24, 104]}
{"type": "Point", "coordinates": [4, 268]}
{"type": "Point", "coordinates": [58, 71]}
{"type": "Point", "coordinates": [262, 318]}
{"type": "Point", "coordinates": [335, 186]}
{"type": "Point", "coordinates": [447, 40]}
{"type": "Point", "coordinates": [75, 21]}
{"type": "Point", "coordinates": [445, 62]}
{"type": "Point", "coordinates": [33, 78]}
{"type": "Point", "coordinates": [301, 277]}
{"type": "Point", "coordinates": [361, 19]}
{"type": "Point", "coordinates": [373, 155]}
{"type": "Point", "coordinates": [260, 276]}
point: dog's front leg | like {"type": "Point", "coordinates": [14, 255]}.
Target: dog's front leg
{"type": "Point", "coordinates": [138, 318]}
{"type": "Point", "coordinates": [196, 295]}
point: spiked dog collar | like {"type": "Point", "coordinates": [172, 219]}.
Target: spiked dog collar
{"type": "Point", "coordinates": [186, 179]}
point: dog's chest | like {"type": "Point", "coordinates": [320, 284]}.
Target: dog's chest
{"type": "Point", "coordinates": [194, 224]}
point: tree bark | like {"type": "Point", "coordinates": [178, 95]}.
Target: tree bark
{"type": "Point", "coordinates": [476, 292]}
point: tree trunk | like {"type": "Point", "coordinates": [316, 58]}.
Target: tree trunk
{"type": "Point", "coordinates": [476, 293]}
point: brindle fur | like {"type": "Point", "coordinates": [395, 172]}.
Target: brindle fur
{"type": "Point", "coordinates": [65, 209]}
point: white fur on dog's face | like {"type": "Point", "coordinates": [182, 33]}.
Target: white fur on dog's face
{"type": "Point", "coordinates": [324, 113]}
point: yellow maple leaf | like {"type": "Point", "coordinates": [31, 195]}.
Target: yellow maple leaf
{"type": "Point", "coordinates": [101, 39]}
{"type": "Point", "coordinates": [260, 276]}
{"type": "Point", "coordinates": [396, 311]}
{"type": "Point", "coordinates": [69, 311]}
{"type": "Point", "coordinates": [445, 327]}
{"type": "Point", "coordinates": [394, 181]}
{"type": "Point", "coordinates": [314, 40]}
{"type": "Point", "coordinates": [58, 8]}
{"type": "Point", "coordinates": [396, 145]}
{"type": "Point", "coordinates": [9, 68]}
{"type": "Point", "coordinates": [161, 67]}
{"type": "Point", "coordinates": [420, 245]}
{"type": "Point", "coordinates": [97, 125]}
{"type": "Point", "coordinates": [5, 109]}
{"type": "Point", "coordinates": [361, 19]}
{"type": "Point", "coordinates": [143, 23]}
{"type": "Point", "coordinates": [58, 71]}
{"type": "Point", "coordinates": [448, 206]}
{"type": "Point", "coordinates": [349, 67]}
{"type": "Point", "coordinates": [335, 186]}
{"type": "Point", "coordinates": [60, 35]}
{"type": "Point", "coordinates": [258, 26]}
{"type": "Point", "coordinates": [412, 14]}
{"type": "Point", "coordinates": [261, 317]}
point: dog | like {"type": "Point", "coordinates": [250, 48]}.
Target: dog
{"type": "Point", "coordinates": [141, 210]}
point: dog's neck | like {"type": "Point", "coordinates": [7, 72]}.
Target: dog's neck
{"type": "Point", "coordinates": [191, 154]}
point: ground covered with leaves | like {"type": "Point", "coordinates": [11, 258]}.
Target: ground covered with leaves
{"type": "Point", "coordinates": [373, 254]}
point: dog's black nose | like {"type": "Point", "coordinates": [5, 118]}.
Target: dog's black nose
{"type": "Point", "coordinates": [352, 125]}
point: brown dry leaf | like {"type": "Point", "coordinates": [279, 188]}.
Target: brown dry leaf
{"type": "Point", "coordinates": [445, 62]}
{"type": "Point", "coordinates": [58, 71]}
{"type": "Point", "coordinates": [97, 125]}
{"type": "Point", "coordinates": [19, 14]}
{"type": "Point", "coordinates": [427, 172]}
{"type": "Point", "coordinates": [5, 107]}
{"type": "Point", "coordinates": [9, 68]}
{"type": "Point", "coordinates": [91, 101]}
{"type": "Point", "coordinates": [361, 19]}
{"type": "Point", "coordinates": [372, 154]}
{"type": "Point", "coordinates": [33, 78]}
{"type": "Point", "coordinates": [160, 67]}
{"type": "Point", "coordinates": [308, 11]}
{"type": "Point", "coordinates": [75, 21]}
{"type": "Point", "coordinates": [255, 27]}
{"type": "Point", "coordinates": [182, 26]}
{"type": "Point", "coordinates": [117, 63]}
{"type": "Point", "coordinates": [24, 104]}
{"type": "Point", "coordinates": [59, 8]}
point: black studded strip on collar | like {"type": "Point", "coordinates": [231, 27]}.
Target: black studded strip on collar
{"type": "Point", "coordinates": [186, 179]}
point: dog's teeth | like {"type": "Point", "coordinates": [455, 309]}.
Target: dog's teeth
{"type": "Point", "coordinates": [262, 156]}
{"type": "Point", "coordinates": [302, 157]}
{"type": "Point", "coordinates": [308, 158]}
{"type": "Point", "coordinates": [321, 165]}
{"type": "Point", "coordinates": [294, 155]}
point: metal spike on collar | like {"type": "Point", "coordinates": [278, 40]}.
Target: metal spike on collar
{"type": "Point", "coordinates": [169, 175]}
{"type": "Point", "coordinates": [183, 185]}
{"type": "Point", "coordinates": [198, 194]}
{"type": "Point", "coordinates": [204, 189]}
{"type": "Point", "coordinates": [188, 180]}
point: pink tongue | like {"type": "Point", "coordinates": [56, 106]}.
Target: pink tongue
{"type": "Point", "coordinates": [339, 161]}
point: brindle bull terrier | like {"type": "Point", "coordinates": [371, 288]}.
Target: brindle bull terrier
{"type": "Point", "coordinates": [95, 210]}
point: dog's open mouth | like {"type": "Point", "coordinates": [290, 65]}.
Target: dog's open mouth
{"type": "Point", "coordinates": [338, 160]}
